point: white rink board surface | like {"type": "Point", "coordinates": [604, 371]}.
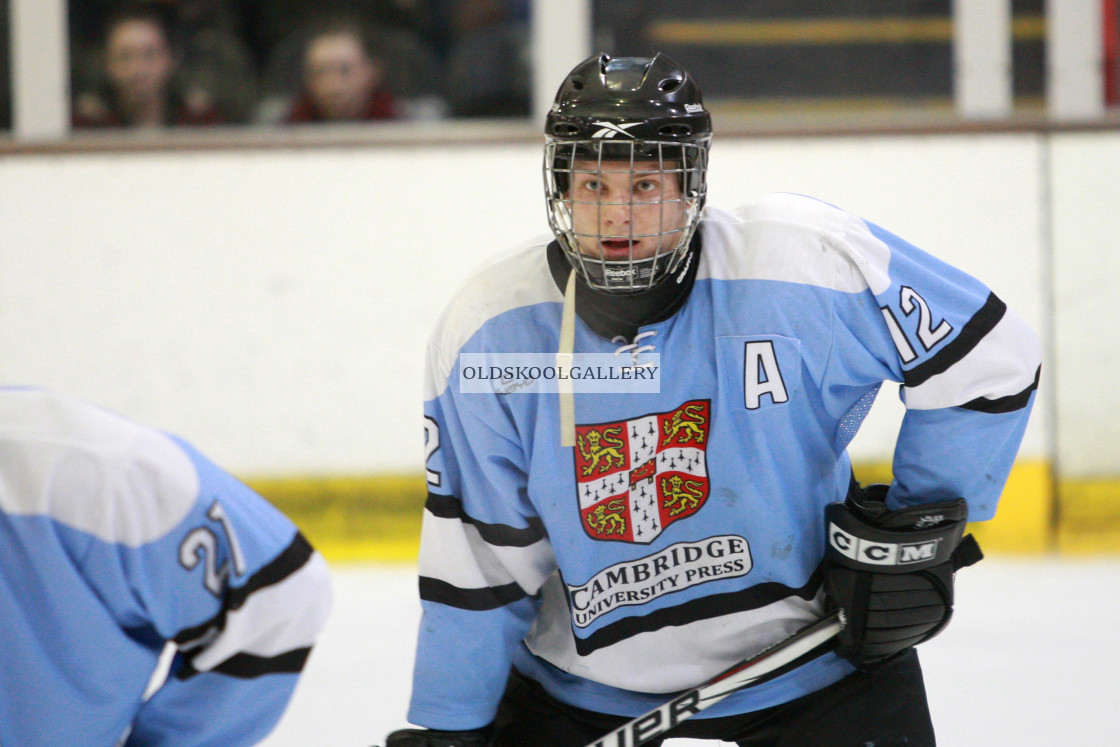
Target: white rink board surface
{"type": "Point", "coordinates": [1030, 659]}
{"type": "Point", "coordinates": [273, 305]}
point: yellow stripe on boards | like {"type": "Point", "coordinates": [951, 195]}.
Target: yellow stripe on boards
{"type": "Point", "coordinates": [353, 518]}
{"type": "Point", "coordinates": [1023, 521]}
{"type": "Point", "coordinates": [1023, 518]}
{"type": "Point", "coordinates": [1089, 516]}
{"type": "Point", "coordinates": [377, 517]}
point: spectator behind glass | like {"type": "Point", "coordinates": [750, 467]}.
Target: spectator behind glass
{"type": "Point", "coordinates": [343, 79]}
{"type": "Point", "coordinates": [213, 56]}
{"type": "Point", "coordinates": [487, 67]}
{"type": "Point", "coordinates": [140, 88]}
{"type": "Point", "coordinates": [268, 24]}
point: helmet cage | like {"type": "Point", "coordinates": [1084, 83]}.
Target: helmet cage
{"type": "Point", "coordinates": [682, 161]}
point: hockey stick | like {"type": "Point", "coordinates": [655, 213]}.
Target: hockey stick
{"type": "Point", "coordinates": [786, 655]}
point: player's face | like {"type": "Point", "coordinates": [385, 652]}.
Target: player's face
{"type": "Point", "coordinates": [626, 211]}
{"type": "Point", "coordinates": [138, 61]}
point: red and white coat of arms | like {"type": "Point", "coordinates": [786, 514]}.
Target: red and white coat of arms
{"type": "Point", "coordinates": [636, 477]}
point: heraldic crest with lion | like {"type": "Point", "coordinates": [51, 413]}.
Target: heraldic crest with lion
{"type": "Point", "coordinates": [636, 477]}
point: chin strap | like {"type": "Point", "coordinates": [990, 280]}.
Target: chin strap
{"type": "Point", "coordinates": [564, 364]}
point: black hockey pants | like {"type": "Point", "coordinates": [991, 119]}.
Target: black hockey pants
{"type": "Point", "coordinates": [881, 707]}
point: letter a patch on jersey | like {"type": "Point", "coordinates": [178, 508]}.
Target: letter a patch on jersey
{"type": "Point", "coordinates": [636, 477]}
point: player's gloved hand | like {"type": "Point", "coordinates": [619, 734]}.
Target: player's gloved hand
{"type": "Point", "coordinates": [890, 573]}
{"type": "Point", "coordinates": [432, 738]}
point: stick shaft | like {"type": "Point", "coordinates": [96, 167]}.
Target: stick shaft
{"type": "Point", "coordinates": [782, 657]}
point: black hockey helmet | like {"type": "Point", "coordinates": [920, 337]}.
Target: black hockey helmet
{"type": "Point", "coordinates": [627, 109]}
{"type": "Point", "coordinates": [654, 96]}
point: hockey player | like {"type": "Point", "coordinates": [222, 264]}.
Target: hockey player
{"type": "Point", "coordinates": [586, 555]}
{"type": "Point", "coordinates": [117, 540]}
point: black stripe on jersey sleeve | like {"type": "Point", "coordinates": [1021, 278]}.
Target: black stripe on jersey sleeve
{"type": "Point", "coordinates": [248, 666]}
{"type": "Point", "coordinates": [703, 608]}
{"type": "Point", "coordinates": [974, 330]}
{"type": "Point", "coordinates": [487, 598]}
{"type": "Point", "coordinates": [503, 535]}
{"type": "Point", "coordinates": [1010, 403]}
{"type": "Point", "coordinates": [294, 557]}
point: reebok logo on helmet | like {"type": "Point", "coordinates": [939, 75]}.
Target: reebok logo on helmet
{"type": "Point", "coordinates": [610, 129]}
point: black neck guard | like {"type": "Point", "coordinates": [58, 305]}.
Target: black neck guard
{"type": "Point", "coordinates": [614, 314]}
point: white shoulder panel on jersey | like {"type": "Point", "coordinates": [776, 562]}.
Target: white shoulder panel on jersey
{"type": "Point", "coordinates": [788, 237]}
{"type": "Point", "coordinates": [1001, 364]}
{"type": "Point", "coordinates": [510, 280]}
{"type": "Point", "coordinates": [468, 561]}
{"type": "Point", "coordinates": [90, 469]}
{"type": "Point", "coordinates": [272, 622]}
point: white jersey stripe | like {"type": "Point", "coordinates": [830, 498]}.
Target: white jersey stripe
{"type": "Point", "coordinates": [468, 562]}
{"type": "Point", "coordinates": [1002, 364]}
{"type": "Point", "coordinates": [677, 666]}
{"type": "Point", "coordinates": [264, 626]}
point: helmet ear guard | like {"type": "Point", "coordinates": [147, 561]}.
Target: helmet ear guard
{"type": "Point", "coordinates": [622, 111]}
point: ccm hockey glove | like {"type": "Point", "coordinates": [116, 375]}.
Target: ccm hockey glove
{"type": "Point", "coordinates": [431, 738]}
{"type": "Point", "coordinates": [890, 573]}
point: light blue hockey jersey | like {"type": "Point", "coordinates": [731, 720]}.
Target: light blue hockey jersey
{"type": "Point", "coordinates": [685, 530]}
{"type": "Point", "coordinates": [116, 539]}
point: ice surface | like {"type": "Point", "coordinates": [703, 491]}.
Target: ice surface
{"type": "Point", "coordinates": [1031, 659]}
